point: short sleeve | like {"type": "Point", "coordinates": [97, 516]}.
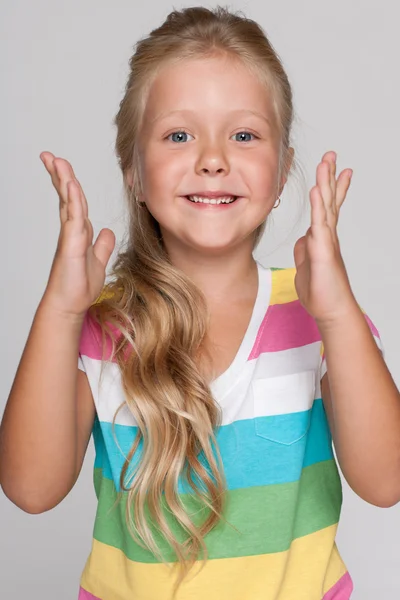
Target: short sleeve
{"type": "Point", "coordinates": [91, 343]}
{"type": "Point", "coordinates": [377, 338]}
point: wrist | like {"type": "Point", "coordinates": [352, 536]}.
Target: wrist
{"type": "Point", "coordinates": [342, 318]}
{"type": "Point", "coordinates": [49, 308]}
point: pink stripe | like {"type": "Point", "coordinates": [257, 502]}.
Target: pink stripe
{"type": "Point", "coordinates": [91, 342]}
{"type": "Point", "coordinates": [84, 595]}
{"type": "Point", "coordinates": [372, 326]}
{"type": "Point", "coordinates": [341, 590]}
{"type": "Point", "coordinates": [285, 326]}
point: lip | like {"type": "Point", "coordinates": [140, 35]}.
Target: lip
{"type": "Point", "coordinates": [215, 194]}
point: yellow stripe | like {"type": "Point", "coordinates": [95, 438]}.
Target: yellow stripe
{"type": "Point", "coordinates": [105, 294]}
{"type": "Point", "coordinates": [283, 288]}
{"type": "Point", "coordinates": [109, 575]}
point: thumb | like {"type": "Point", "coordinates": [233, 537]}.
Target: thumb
{"type": "Point", "coordinates": [299, 251]}
{"type": "Point", "coordinates": [104, 246]}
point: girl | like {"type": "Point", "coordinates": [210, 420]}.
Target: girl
{"type": "Point", "coordinates": [213, 385]}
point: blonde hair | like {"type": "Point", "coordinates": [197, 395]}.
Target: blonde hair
{"type": "Point", "coordinates": [160, 315]}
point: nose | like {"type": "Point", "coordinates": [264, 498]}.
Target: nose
{"type": "Point", "coordinates": [212, 160]}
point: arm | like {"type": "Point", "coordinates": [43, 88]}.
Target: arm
{"type": "Point", "coordinates": [49, 415]}
{"type": "Point", "coordinates": [363, 407]}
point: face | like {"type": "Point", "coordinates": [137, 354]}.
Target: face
{"type": "Point", "coordinates": [209, 126]}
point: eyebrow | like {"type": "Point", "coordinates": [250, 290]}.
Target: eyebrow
{"type": "Point", "coordinates": [191, 112]}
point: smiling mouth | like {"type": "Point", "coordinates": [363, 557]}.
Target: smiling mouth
{"type": "Point", "coordinates": [212, 201]}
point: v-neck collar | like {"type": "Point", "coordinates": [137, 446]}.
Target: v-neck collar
{"type": "Point", "coordinates": [224, 382]}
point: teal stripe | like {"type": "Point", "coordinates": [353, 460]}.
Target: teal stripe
{"type": "Point", "coordinates": [267, 519]}
{"type": "Point", "coordinates": [249, 459]}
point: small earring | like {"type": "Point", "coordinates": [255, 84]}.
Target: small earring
{"type": "Point", "coordinates": [279, 201]}
{"type": "Point", "coordinates": [138, 203]}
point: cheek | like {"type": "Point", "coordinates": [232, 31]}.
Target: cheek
{"type": "Point", "coordinates": [162, 169]}
{"type": "Point", "coordinates": [262, 172]}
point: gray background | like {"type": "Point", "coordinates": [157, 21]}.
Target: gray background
{"type": "Point", "coordinates": [63, 67]}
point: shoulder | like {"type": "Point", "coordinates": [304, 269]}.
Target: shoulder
{"type": "Point", "coordinates": [288, 315]}
{"type": "Point", "coordinates": [283, 289]}
{"type": "Point", "coordinates": [97, 330]}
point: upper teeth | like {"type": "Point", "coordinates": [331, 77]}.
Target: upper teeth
{"type": "Point", "coordinates": [225, 200]}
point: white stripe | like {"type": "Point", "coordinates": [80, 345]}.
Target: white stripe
{"type": "Point", "coordinates": [282, 382]}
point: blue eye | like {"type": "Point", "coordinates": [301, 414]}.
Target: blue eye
{"type": "Point", "coordinates": [180, 133]}
{"type": "Point", "coordinates": [245, 133]}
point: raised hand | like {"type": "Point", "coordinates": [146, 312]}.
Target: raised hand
{"type": "Point", "coordinates": [321, 279]}
{"type": "Point", "coordinates": [79, 267]}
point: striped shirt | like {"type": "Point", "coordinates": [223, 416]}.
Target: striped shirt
{"type": "Point", "coordinates": [283, 485]}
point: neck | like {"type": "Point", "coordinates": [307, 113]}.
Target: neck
{"type": "Point", "coordinates": [222, 276]}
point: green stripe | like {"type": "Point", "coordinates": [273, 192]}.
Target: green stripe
{"type": "Point", "coordinates": [263, 515]}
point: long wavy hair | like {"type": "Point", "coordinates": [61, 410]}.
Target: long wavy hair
{"type": "Point", "coordinates": [160, 316]}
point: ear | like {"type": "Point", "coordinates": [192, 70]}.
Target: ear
{"type": "Point", "coordinates": [129, 178]}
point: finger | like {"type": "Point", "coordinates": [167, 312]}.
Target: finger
{"type": "Point", "coordinates": [318, 209]}
{"type": "Point", "coordinates": [62, 190]}
{"type": "Point", "coordinates": [74, 203]}
{"type": "Point", "coordinates": [343, 184]}
{"type": "Point", "coordinates": [323, 182]}
{"type": "Point", "coordinates": [46, 157]}
{"type": "Point", "coordinates": [61, 173]}
{"type": "Point", "coordinates": [104, 246]}
{"type": "Point", "coordinates": [65, 168]}
{"type": "Point", "coordinates": [66, 174]}
{"type": "Point", "coordinates": [331, 158]}
{"type": "Point", "coordinates": [333, 175]}
{"type": "Point", "coordinates": [50, 162]}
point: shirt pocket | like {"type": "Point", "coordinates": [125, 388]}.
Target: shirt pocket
{"type": "Point", "coordinates": [282, 406]}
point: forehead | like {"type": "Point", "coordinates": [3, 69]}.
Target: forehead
{"type": "Point", "coordinates": [208, 86]}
